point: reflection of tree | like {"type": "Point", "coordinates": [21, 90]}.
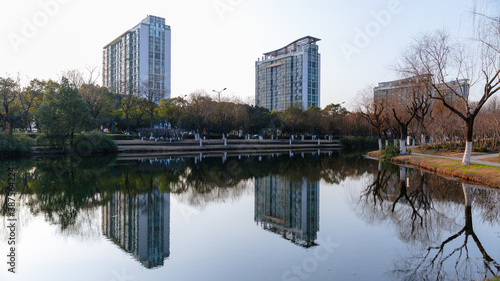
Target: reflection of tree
{"type": "Point", "coordinates": [65, 189]}
{"type": "Point", "coordinates": [457, 254]}
{"type": "Point", "coordinates": [209, 179]}
{"type": "Point", "coordinates": [402, 198]}
{"type": "Point", "coordinates": [422, 207]}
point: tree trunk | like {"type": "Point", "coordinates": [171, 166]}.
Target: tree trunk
{"type": "Point", "coordinates": [402, 140]}
{"type": "Point", "coordinates": [469, 126]}
{"type": "Point", "coordinates": [128, 127]}
{"type": "Point", "coordinates": [468, 208]}
{"type": "Point", "coordinates": [379, 143]}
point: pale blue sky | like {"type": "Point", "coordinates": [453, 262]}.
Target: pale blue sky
{"type": "Point", "coordinates": [215, 43]}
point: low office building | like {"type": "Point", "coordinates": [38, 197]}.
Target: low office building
{"type": "Point", "coordinates": [399, 90]}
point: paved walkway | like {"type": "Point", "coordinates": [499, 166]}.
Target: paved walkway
{"type": "Point", "coordinates": [474, 159]}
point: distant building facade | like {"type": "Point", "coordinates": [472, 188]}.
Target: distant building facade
{"type": "Point", "coordinates": [288, 208]}
{"type": "Point", "coordinates": [139, 57]}
{"type": "Point", "coordinates": [289, 76]}
{"type": "Point", "coordinates": [140, 225]}
{"type": "Point", "coordinates": [398, 89]}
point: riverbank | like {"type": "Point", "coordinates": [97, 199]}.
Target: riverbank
{"type": "Point", "coordinates": [163, 148]}
{"type": "Point", "coordinates": [484, 173]}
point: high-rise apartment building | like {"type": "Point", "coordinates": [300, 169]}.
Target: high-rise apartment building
{"type": "Point", "coordinates": [139, 58]}
{"type": "Point", "coordinates": [289, 76]}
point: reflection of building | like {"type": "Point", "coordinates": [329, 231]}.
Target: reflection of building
{"type": "Point", "coordinates": [288, 208]}
{"type": "Point", "coordinates": [140, 225]}
{"type": "Point", "coordinates": [289, 76]}
{"type": "Point", "coordinates": [141, 54]}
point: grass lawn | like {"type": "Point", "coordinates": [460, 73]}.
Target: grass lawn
{"type": "Point", "coordinates": [475, 172]}
{"type": "Point", "coordinates": [446, 153]}
{"type": "Point", "coordinates": [492, 159]}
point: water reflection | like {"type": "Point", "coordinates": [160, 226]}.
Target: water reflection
{"type": "Point", "coordinates": [289, 208]}
{"type": "Point", "coordinates": [434, 228]}
{"type": "Point", "coordinates": [140, 225]}
{"type": "Point", "coordinates": [425, 211]}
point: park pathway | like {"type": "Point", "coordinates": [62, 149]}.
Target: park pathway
{"type": "Point", "coordinates": [474, 159]}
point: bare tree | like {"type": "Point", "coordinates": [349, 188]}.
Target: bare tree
{"type": "Point", "coordinates": [80, 77]}
{"type": "Point", "coordinates": [451, 66]}
{"type": "Point", "coordinates": [372, 110]}
{"type": "Point", "coordinates": [405, 103]}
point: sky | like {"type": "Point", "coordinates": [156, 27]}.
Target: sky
{"type": "Point", "coordinates": [215, 43]}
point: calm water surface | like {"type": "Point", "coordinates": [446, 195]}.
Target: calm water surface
{"type": "Point", "coordinates": [289, 216]}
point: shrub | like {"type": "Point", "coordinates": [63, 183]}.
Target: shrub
{"type": "Point", "coordinates": [357, 141]}
{"type": "Point", "coordinates": [95, 142]}
{"type": "Point", "coordinates": [15, 145]}
{"type": "Point", "coordinates": [122, 137]}
{"type": "Point", "coordinates": [390, 151]}
{"type": "Point", "coordinates": [41, 140]}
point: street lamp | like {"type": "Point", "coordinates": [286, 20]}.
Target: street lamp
{"type": "Point", "coordinates": [218, 92]}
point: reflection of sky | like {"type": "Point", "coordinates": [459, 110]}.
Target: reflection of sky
{"type": "Point", "coordinates": [221, 241]}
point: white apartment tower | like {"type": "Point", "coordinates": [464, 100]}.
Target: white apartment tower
{"type": "Point", "coordinates": [139, 58]}
{"type": "Point", "coordinates": [289, 76]}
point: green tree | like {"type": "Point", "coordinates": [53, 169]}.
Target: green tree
{"type": "Point", "coordinates": [62, 112]}
{"type": "Point", "coordinates": [260, 118]}
{"type": "Point", "coordinates": [151, 96]}
{"type": "Point", "coordinates": [8, 92]}
{"type": "Point", "coordinates": [172, 110]}
{"type": "Point", "coordinates": [313, 120]}
{"type": "Point", "coordinates": [293, 120]}
{"type": "Point", "coordinates": [138, 114]}
{"type": "Point", "coordinates": [126, 105]}
{"type": "Point", "coordinates": [98, 99]}
{"type": "Point", "coordinates": [30, 99]}
{"type": "Point", "coordinates": [333, 118]}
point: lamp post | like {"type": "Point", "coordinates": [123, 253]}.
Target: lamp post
{"type": "Point", "coordinates": [218, 92]}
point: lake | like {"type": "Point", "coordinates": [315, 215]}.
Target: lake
{"type": "Point", "coordinates": [285, 216]}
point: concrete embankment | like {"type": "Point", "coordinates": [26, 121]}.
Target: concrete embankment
{"type": "Point", "coordinates": [191, 146]}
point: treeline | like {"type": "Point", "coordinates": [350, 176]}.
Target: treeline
{"type": "Point", "coordinates": [203, 114]}
{"type": "Point", "coordinates": [72, 105]}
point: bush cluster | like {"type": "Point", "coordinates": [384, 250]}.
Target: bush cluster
{"type": "Point", "coordinates": [389, 151]}
{"type": "Point", "coordinates": [15, 145]}
{"type": "Point", "coordinates": [95, 142]}
{"type": "Point", "coordinates": [357, 141]}
{"type": "Point", "coordinates": [122, 137]}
